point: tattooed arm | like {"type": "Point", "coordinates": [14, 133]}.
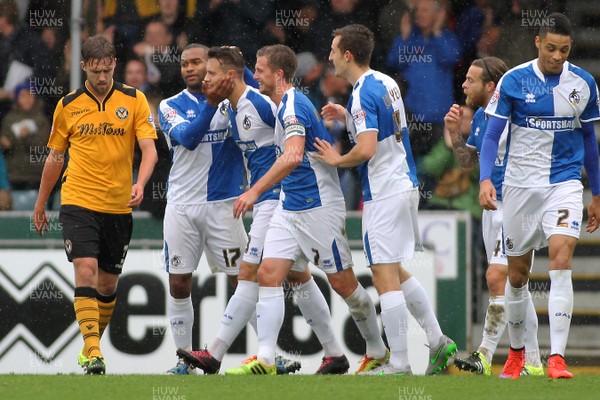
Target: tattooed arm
{"type": "Point", "coordinates": [466, 156]}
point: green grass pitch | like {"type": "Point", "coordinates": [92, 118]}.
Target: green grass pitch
{"type": "Point", "coordinates": [305, 387]}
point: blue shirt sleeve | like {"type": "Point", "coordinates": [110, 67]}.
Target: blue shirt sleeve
{"type": "Point", "coordinates": [190, 134]}
{"type": "Point", "coordinates": [489, 148]}
{"type": "Point", "coordinates": [249, 78]}
{"type": "Point", "coordinates": [590, 160]}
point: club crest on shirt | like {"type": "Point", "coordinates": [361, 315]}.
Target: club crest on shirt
{"type": "Point", "coordinates": [122, 113]}
{"type": "Point", "coordinates": [223, 109]}
{"type": "Point", "coordinates": [574, 97]}
{"type": "Point", "coordinates": [246, 123]}
{"type": "Point", "coordinates": [359, 116]}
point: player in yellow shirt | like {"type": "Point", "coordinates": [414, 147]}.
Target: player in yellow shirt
{"type": "Point", "coordinates": [98, 124]}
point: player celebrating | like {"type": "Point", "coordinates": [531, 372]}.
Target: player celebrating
{"type": "Point", "coordinates": [206, 177]}
{"type": "Point", "coordinates": [252, 117]}
{"type": "Point", "coordinates": [381, 149]}
{"type": "Point", "coordinates": [99, 124]}
{"type": "Point", "coordinates": [308, 222]}
{"type": "Point", "coordinates": [481, 80]}
{"type": "Point", "coordinates": [550, 105]}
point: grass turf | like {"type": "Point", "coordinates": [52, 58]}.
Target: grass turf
{"type": "Point", "coordinates": [305, 387]}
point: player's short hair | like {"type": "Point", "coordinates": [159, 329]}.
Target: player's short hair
{"type": "Point", "coordinates": [281, 57]}
{"type": "Point", "coordinates": [358, 40]}
{"type": "Point", "coordinates": [556, 23]}
{"type": "Point", "coordinates": [230, 57]}
{"type": "Point", "coordinates": [493, 68]}
{"type": "Point", "coordinates": [97, 47]}
{"type": "Point", "coordinates": [196, 46]}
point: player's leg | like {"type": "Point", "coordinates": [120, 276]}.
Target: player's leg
{"type": "Point", "coordinates": [115, 235]}
{"type": "Point", "coordinates": [562, 224]}
{"type": "Point", "coordinates": [315, 311]}
{"type": "Point", "coordinates": [496, 274]}
{"type": "Point", "coordinates": [81, 235]}
{"type": "Point", "coordinates": [523, 233]}
{"type": "Point", "coordinates": [182, 248]}
{"type": "Point", "coordinates": [560, 302]}
{"type": "Point", "coordinates": [280, 250]}
{"type": "Point", "coordinates": [441, 347]}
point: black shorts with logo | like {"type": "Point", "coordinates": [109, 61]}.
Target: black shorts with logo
{"type": "Point", "coordinates": [103, 236]}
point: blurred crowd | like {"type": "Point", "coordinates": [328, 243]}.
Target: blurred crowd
{"type": "Point", "coordinates": [427, 45]}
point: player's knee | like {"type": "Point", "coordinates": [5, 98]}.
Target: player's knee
{"type": "Point", "coordinates": [343, 283]}
{"type": "Point", "coordinates": [180, 286]}
{"type": "Point", "coordinates": [560, 262]}
{"type": "Point", "coordinates": [248, 272]}
{"type": "Point", "coordinates": [495, 277]}
{"type": "Point", "coordinates": [267, 275]}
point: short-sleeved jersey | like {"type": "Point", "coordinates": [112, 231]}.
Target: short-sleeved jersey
{"type": "Point", "coordinates": [213, 171]}
{"type": "Point", "coordinates": [376, 105]}
{"type": "Point", "coordinates": [545, 144]}
{"type": "Point", "coordinates": [252, 128]}
{"type": "Point", "coordinates": [313, 183]}
{"type": "Point", "coordinates": [475, 140]}
{"type": "Point", "coordinates": [100, 138]}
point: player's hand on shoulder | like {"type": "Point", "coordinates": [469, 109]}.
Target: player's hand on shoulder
{"type": "Point", "coordinates": [216, 92]}
{"type": "Point", "coordinates": [452, 119]}
{"type": "Point", "coordinates": [332, 111]}
{"type": "Point", "coordinates": [487, 195]}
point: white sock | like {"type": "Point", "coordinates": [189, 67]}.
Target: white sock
{"type": "Point", "coordinates": [181, 318]}
{"type": "Point", "coordinates": [560, 309]}
{"type": "Point", "coordinates": [252, 322]}
{"type": "Point", "coordinates": [493, 327]}
{"type": "Point", "coordinates": [239, 310]}
{"type": "Point", "coordinates": [516, 313]}
{"type": "Point", "coordinates": [532, 348]}
{"type": "Point", "coordinates": [419, 306]}
{"type": "Point", "coordinates": [394, 315]}
{"type": "Point", "coordinates": [363, 312]}
{"type": "Point", "coordinates": [270, 312]}
{"type": "Point", "coordinates": [314, 308]}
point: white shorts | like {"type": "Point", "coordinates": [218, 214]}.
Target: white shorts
{"type": "Point", "coordinates": [189, 230]}
{"type": "Point", "coordinates": [491, 224]}
{"type": "Point", "coordinates": [389, 228]}
{"type": "Point", "coordinates": [317, 235]}
{"type": "Point", "coordinates": [532, 215]}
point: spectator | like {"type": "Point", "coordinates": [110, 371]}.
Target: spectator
{"type": "Point", "coordinates": [173, 14]}
{"type": "Point", "coordinates": [161, 56]}
{"type": "Point", "coordinates": [22, 53]}
{"type": "Point", "coordinates": [128, 18]}
{"type": "Point", "coordinates": [136, 75]}
{"type": "Point", "coordinates": [23, 137]}
{"type": "Point", "coordinates": [425, 54]}
{"type": "Point", "coordinates": [5, 193]}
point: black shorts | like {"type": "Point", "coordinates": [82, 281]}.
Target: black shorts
{"type": "Point", "coordinates": [102, 236]}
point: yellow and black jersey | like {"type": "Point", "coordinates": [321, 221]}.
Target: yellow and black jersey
{"type": "Point", "coordinates": [100, 137]}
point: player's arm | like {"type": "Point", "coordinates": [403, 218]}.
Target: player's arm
{"type": "Point", "coordinates": [592, 169]}
{"type": "Point", "coordinates": [466, 156]}
{"type": "Point", "coordinates": [149, 159]}
{"type": "Point", "coordinates": [292, 156]}
{"type": "Point", "coordinates": [52, 169]}
{"type": "Point", "coordinates": [190, 134]}
{"type": "Point", "coordinates": [364, 150]}
{"type": "Point", "coordinates": [489, 150]}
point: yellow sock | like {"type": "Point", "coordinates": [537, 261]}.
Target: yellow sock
{"type": "Point", "coordinates": [87, 315]}
{"type": "Point", "coordinates": [106, 306]}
